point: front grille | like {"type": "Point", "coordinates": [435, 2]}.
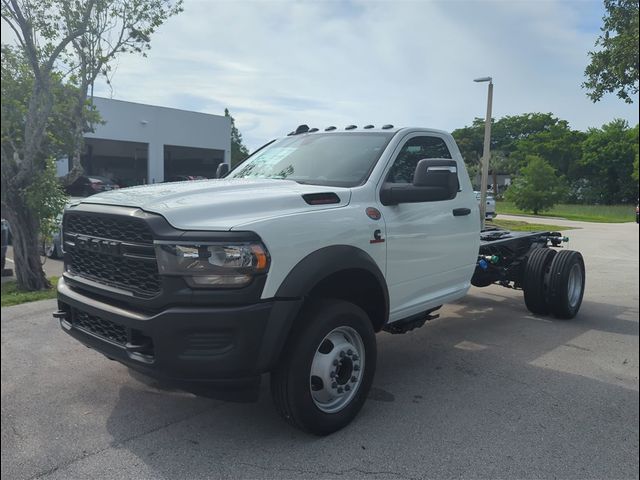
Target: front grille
{"type": "Point", "coordinates": [111, 250]}
{"type": "Point", "coordinates": [100, 327]}
{"type": "Point", "coordinates": [138, 276]}
{"type": "Point", "coordinates": [113, 228]}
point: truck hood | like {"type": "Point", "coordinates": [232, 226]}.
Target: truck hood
{"type": "Point", "coordinates": [220, 204]}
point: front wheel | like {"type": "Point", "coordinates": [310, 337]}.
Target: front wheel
{"type": "Point", "coordinates": [327, 367]}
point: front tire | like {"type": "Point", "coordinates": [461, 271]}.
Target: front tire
{"type": "Point", "coordinates": [327, 368]}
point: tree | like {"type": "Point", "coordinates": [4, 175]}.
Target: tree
{"type": "Point", "coordinates": [239, 152]}
{"type": "Point", "coordinates": [614, 68]}
{"type": "Point", "coordinates": [506, 133]}
{"type": "Point", "coordinates": [51, 36]}
{"type": "Point", "coordinates": [557, 143]}
{"type": "Point", "coordinates": [537, 188]}
{"type": "Point", "coordinates": [634, 134]}
{"type": "Point", "coordinates": [41, 41]}
{"type": "Point", "coordinates": [114, 27]}
{"type": "Point", "coordinates": [470, 142]}
{"type": "Point", "coordinates": [608, 155]}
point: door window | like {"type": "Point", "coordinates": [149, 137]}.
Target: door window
{"type": "Point", "coordinates": [412, 152]}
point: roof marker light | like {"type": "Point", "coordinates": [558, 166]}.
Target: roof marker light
{"type": "Point", "coordinates": [313, 130]}
{"type": "Point", "coordinates": [367, 127]}
{"type": "Point", "coordinates": [328, 129]}
{"type": "Point", "coordinates": [387, 126]}
{"type": "Point", "coordinates": [350, 127]}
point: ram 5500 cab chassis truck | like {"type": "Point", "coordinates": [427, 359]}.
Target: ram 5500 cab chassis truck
{"type": "Point", "coordinates": [292, 263]}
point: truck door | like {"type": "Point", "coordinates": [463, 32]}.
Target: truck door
{"type": "Point", "coordinates": [430, 251]}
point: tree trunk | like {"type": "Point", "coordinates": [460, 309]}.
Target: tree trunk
{"type": "Point", "coordinates": [26, 252]}
{"type": "Point", "coordinates": [79, 128]}
{"type": "Point", "coordinates": [17, 175]}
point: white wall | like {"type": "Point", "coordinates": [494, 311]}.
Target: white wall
{"type": "Point", "coordinates": [159, 126]}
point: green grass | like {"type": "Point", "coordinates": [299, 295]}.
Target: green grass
{"type": "Point", "coordinates": [12, 296]}
{"type": "Point", "coordinates": [585, 213]}
{"type": "Point", "coordinates": [520, 226]}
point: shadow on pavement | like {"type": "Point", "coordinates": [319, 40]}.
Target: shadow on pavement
{"type": "Point", "coordinates": [424, 379]}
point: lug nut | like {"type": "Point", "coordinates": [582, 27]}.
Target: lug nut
{"type": "Point", "coordinates": [347, 388]}
{"type": "Point", "coordinates": [335, 362]}
{"type": "Point", "coordinates": [355, 358]}
{"type": "Point", "coordinates": [334, 385]}
{"type": "Point", "coordinates": [332, 374]}
{"type": "Point", "coordinates": [340, 390]}
{"type": "Point", "coordinates": [356, 368]}
{"type": "Point", "coordinates": [342, 354]}
{"type": "Point", "coordinates": [349, 352]}
{"type": "Point", "coordinates": [354, 379]}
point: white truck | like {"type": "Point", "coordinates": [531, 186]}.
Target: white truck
{"type": "Point", "coordinates": [291, 264]}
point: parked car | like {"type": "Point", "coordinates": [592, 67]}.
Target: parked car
{"type": "Point", "coordinates": [87, 185]}
{"type": "Point", "coordinates": [53, 247]}
{"type": "Point", "coordinates": [490, 212]}
{"type": "Point", "coordinates": [185, 178]}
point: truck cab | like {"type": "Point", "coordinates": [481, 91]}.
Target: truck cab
{"type": "Point", "coordinates": [289, 265]}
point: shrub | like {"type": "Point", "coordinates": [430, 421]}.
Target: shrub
{"type": "Point", "coordinates": [537, 188]}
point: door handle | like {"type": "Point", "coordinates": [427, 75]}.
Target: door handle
{"type": "Point", "coordinates": [459, 212]}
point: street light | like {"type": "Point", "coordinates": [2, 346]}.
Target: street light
{"type": "Point", "coordinates": [486, 152]}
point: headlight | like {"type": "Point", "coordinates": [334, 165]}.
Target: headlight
{"type": "Point", "coordinates": [212, 264]}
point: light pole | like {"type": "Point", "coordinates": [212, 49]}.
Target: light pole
{"type": "Point", "coordinates": [486, 151]}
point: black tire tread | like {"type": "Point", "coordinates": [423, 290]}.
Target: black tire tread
{"type": "Point", "coordinates": [557, 300]}
{"type": "Point", "coordinates": [280, 393]}
{"type": "Point", "coordinates": [535, 297]}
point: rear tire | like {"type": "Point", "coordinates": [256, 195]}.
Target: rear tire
{"type": "Point", "coordinates": [566, 284]}
{"type": "Point", "coordinates": [534, 282]}
{"type": "Point", "coordinates": [327, 368]}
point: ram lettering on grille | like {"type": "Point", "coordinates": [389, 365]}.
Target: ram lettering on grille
{"type": "Point", "coordinates": [107, 250]}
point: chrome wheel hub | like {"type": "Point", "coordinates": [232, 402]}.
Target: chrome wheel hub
{"type": "Point", "coordinates": [337, 369]}
{"type": "Point", "coordinates": [574, 286]}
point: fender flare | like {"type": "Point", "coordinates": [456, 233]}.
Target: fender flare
{"type": "Point", "coordinates": [326, 261]}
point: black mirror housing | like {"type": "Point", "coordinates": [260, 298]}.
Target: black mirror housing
{"type": "Point", "coordinates": [222, 170]}
{"type": "Point", "coordinates": [437, 172]}
{"type": "Point", "coordinates": [434, 180]}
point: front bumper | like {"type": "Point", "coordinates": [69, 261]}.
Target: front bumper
{"type": "Point", "coordinates": [196, 348]}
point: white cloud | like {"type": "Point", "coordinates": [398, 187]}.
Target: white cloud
{"type": "Point", "coordinates": [278, 64]}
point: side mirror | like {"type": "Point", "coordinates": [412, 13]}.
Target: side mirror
{"type": "Point", "coordinates": [222, 170]}
{"type": "Point", "coordinates": [434, 180]}
{"type": "Point", "coordinates": [440, 173]}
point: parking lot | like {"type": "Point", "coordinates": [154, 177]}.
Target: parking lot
{"type": "Point", "coordinates": [487, 390]}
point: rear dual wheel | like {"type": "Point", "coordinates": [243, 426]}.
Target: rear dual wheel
{"type": "Point", "coordinates": [566, 284]}
{"type": "Point", "coordinates": [535, 282]}
{"type": "Point", "coordinates": [554, 282]}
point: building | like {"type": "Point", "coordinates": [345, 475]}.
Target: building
{"type": "Point", "coordinates": [140, 143]}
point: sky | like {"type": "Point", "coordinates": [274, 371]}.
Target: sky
{"type": "Point", "coordinates": [278, 64]}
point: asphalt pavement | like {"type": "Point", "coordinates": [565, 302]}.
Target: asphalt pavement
{"type": "Point", "coordinates": [486, 391]}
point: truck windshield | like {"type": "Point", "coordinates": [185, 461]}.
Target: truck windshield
{"type": "Point", "coordinates": [333, 159]}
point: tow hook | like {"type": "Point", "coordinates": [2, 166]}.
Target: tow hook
{"type": "Point", "coordinates": [60, 315]}
{"type": "Point", "coordinates": [64, 318]}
